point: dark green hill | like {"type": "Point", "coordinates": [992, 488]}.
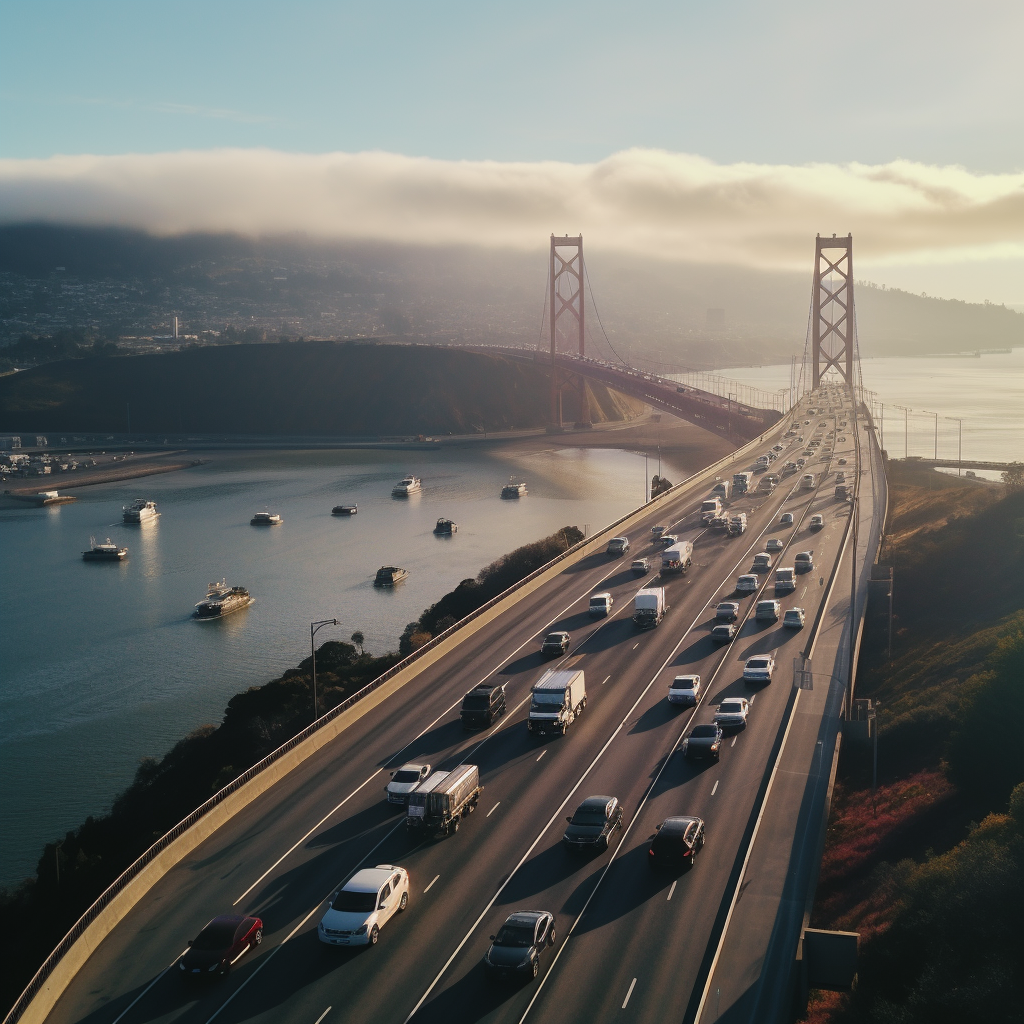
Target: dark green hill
{"type": "Point", "coordinates": [315, 388]}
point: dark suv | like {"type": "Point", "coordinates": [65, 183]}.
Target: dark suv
{"type": "Point", "coordinates": [555, 644]}
{"type": "Point", "coordinates": [592, 826]}
{"type": "Point", "coordinates": [482, 705]}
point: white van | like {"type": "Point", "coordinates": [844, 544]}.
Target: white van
{"type": "Point", "coordinates": [807, 481]}
{"type": "Point", "coordinates": [600, 604]}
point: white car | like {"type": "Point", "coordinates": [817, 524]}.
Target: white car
{"type": "Point", "coordinates": [668, 539]}
{"type": "Point", "coordinates": [817, 522]}
{"type": "Point", "coordinates": [759, 668]}
{"type": "Point", "coordinates": [774, 544]}
{"type": "Point", "coordinates": [804, 561]}
{"type": "Point", "coordinates": [794, 618]}
{"type": "Point", "coordinates": [732, 712]}
{"type": "Point", "coordinates": [367, 901]}
{"type": "Point", "coordinates": [747, 584]}
{"type": "Point", "coordinates": [684, 690]}
{"type": "Point", "coordinates": [404, 780]}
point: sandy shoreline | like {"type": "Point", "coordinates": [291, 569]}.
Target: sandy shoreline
{"type": "Point", "coordinates": [683, 446]}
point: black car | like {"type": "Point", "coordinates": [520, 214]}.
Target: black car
{"type": "Point", "coordinates": [515, 951]}
{"type": "Point", "coordinates": [723, 633]}
{"type": "Point", "coordinates": [555, 644]}
{"type": "Point", "coordinates": [222, 942]}
{"type": "Point", "coordinates": [704, 741]}
{"type": "Point", "coordinates": [676, 843]}
{"type": "Point", "coordinates": [482, 706]}
{"type": "Point", "coordinates": [591, 827]}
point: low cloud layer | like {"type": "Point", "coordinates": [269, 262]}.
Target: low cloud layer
{"type": "Point", "coordinates": [642, 201]}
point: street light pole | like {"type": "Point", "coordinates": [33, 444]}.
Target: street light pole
{"type": "Point", "coordinates": [959, 443]}
{"type": "Point", "coordinates": [314, 628]}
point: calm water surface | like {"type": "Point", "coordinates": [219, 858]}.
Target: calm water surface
{"type": "Point", "coordinates": [102, 664]}
{"type": "Point", "coordinates": [986, 392]}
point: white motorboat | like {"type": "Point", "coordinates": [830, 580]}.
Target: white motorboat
{"type": "Point", "coordinates": [266, 519]}
{"type": "Point", "coordinates": [406, 486]}
{"type": "Point", "coordinates": [139, 511]}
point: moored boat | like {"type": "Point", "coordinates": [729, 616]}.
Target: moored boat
{"type": "Point", "coordinates": [344, 510]}
{"type": "Point", "coordinates": [266, 519]}
{"type": "Point", "coordinates": [445, 528]}
{"type": "Point", "coordinates": [139, 511]}
{"type": "Point", "coordinates": [108, 552]}
{"type": "Point", "coordinates": [406, 486]}
{"type": "Point", "coordinates": [222, 600]}
{"type": "Point", "coordinates": [514, 488]}
{"type": "Point", "coordinates": [389, 575]}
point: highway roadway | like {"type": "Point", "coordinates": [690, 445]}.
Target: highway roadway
{"type": "Point", "coordinates": [630, 944]}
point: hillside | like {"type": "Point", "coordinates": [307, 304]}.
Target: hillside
{"type": "Point", "coordinates": [126, 283]}
{"type": "Point", "coordinates": [928, 869]}
{"type": "Point", "coordinates": [315, 388]}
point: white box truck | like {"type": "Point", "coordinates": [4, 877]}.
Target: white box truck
{"type": "Point", "coordinates": [677, 558]}
{"type": "Point", "coordinates": [710, 508]}
{"type": "Point", "coordinates": [558, 699]}
{"type": "Point", "coordinates": [649, 607]}
{"type": "Point", "coordinates": [741, 482]}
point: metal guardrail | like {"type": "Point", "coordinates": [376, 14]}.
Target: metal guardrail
{"type": "Point", "coordinates": [132, 871]}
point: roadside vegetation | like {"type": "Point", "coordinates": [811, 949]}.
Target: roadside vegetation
{"type": "Point", "coordinates": [74, 871]}
{"type": "Point", "coordinates": [930, 870]}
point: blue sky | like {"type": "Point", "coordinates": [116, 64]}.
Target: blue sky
{"type": "Point", "coordinates": [773, 82]}
{"type": "Point", "coordinates": [789, 82]}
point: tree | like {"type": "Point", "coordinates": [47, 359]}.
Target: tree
{"type": "Point", "coordinates": [1014, 477]}
{"type": "Point", "coordinates": [358, 639]}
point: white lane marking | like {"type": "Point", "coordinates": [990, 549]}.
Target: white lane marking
{"type": "Point", "coordinates": [322, 1015]}
{"type": "Point", "coordinates": [636, 645]}
{"type": "Point", "coordinates": [493, 809]}
{"type": "Point", "coordinates": [435, 878]}
{"type": "Point", "coordinates": [672, 889]}
{"type": "Point", "coordinates": [733, 744]}
{"type": "Point", "coordinates": [150, 985]}
{"type": "Point", "coordinates": [605, 680]}
{"type": "Point", "coordinates": [632, 985]}
{"type": "Point", "coordinates": [539, 756]}
{"type": "Point", "coordinates": [394, 757]}
{"type": "Point", "coordinates": [714, 788]}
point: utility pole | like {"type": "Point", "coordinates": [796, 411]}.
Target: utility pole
{"type": "Point", "coordinates": [959, 443]}
{"type": "Point", "coordinates": [936, 456]}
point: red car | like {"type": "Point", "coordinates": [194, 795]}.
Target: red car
{"type": "Point", "coordinates": [221, 944]}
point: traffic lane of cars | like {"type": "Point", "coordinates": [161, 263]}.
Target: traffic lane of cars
{"type": "Point", "coordinates": [631, 930]}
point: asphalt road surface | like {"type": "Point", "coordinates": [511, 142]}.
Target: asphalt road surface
{"type": "Point", "coordinates": [630, 943]}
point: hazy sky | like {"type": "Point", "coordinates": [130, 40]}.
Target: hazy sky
{"type": "Point", "coordinates": [776, 85]}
